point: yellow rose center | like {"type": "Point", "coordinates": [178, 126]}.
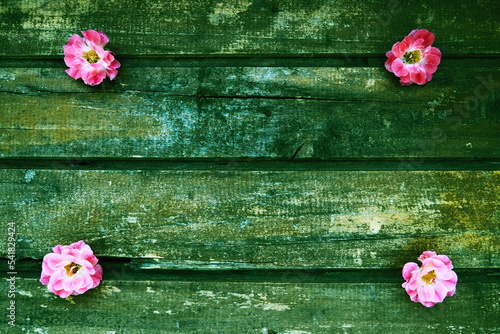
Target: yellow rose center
{"type": "Point", "coordinates": [429, 277]}
{"type": "Point", "coordinates": [412, 57]}
{"type": "Point", "coordinates": [91, 56]}
{"type": "Point", "coordinates": [72, 268]}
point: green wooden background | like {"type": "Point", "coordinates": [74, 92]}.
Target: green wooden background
{"type": "Point", "coordinates": [253, 168]}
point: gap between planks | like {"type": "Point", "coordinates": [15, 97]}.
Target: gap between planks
{"type": "Point", "coordinates": [249, 61]}
{"type": "Point", "coordinates": [137, 270]}
{"type": "Point", "coordinates": [253, 164]}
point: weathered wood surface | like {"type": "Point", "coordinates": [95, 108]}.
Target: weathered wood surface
{"type": "Point", "coordinates": [270, 27]}
{"type": "Point", "coordinates": [252, 167]}
{"type": "Point", "coordinates": [257, 112]}
{"type": "Point", "coordinates": [257, 219]}
{"type": "Point", "coordinates": [125, 306]}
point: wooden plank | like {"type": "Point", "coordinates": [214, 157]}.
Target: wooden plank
{"type": "Point", "coordinates": [303, 80]}
{"type": "Point", "coordinates": [246, 307]}
{"type": "Point", "coordinates": [274, 27]}
{"type": "Point", "coordinates": [257, 219]}
{"type": "Point", "coordinates": [319, 113]}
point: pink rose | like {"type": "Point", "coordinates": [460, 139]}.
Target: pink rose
{"type": "Point", "coordinates": [71, 270]}
{"type": "Point", "coordinates": [87, 59]}
{"type": "Point", "coordinates": [431, 283]}
{"type": "Point", "coordinates": [414, 60]}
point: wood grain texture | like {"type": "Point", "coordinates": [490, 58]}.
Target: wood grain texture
{"type": "Point", "coordinates": [246, 307]}
{"type": "Point", "coordinates": [252, 167]}
{"type": "Point", "coordinates": [268, 27]}
{"type": "Point", "coordinates": [230, 113]}
{"type": "Point", "coordinates": [257, 219]}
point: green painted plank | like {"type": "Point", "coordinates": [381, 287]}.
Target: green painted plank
{"type": "Point", "coordinates": [245, 307]}
{"type": "Point", "coordinates": [257, 219]}
{"type": "Point", "coordinates": [229, 113]}
{"type": "Point", "coordinates": [270, 27]}
{"type": "Point", "coordinates": [285, 81]}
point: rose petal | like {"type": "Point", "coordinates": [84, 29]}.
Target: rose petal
{"type": "Point", "coordinates": [414, 68]}
{"type": "Point", "coordinates": [391, 57]}
{"type": "Point", "coordinates": [417, 44]}
{"type": "Point", "coordinates": [425, 34]}
{"type": "Point", "coordinates": [77, 59]}
{"type": "Point", "coordinates": [419, 78]}
{"type": "Point", "coordinates": [421, 72]}
{"type": "Point", "coordinates": [440, 292]}
{"type": "Point", "coordinates": [426, 255]}
{"type": "Point", "coordinates": [399, 68]}
{"type": "Point", "coordinates": [405, 80]}
{"type": "Point", "coordinates": [439, 283]}
{"type": "Point", "coordinates": [56, 274]}
{"type": "Point", "coordinates": [408, 268]}
{"type": "Point", "coordinates": [93, 76]}
{"type": "Point", "coordinates": [95, 38]}
{"type": "Point", "coordinates": [426, 292]}
{"type": "Point", "coordinates": [400, 48]}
